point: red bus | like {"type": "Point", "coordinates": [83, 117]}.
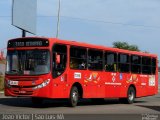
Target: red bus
{"type": "Point", "coordinates": [51, 68]}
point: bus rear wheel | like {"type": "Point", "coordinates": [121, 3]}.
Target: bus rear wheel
{"type": "Point", "coordinates": [74, 96]}
{"type": "Point", "coordinates": [130, 96]}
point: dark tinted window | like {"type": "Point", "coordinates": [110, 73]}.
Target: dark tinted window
{"type": "Point", "coordinates": [153, 61]}
{"type": "Point", "coordinates": [123, 63]}
{"type": "Point", "coordinates": [95, 59]}
{"type": "Point", "coordinates": [123, 58]}
{"type": "Point", "coordinates": [135, 59]}
{"type": "Point", "coordinates": [154, 64]}
{"type": "Point", "coordinates": [146, 61]}
{"type": "Point", "coordinates": [111, 61]}
{"type": "Point", "coordinates": [135, 64]}
{"type": "Point", "coordinates": [146, 65]}
{"type": "Point", "coordinates": [78, 58]}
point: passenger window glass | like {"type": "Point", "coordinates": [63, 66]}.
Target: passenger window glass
{"type": "Point", "coordinates": [135, 64]}
{"type": "Point", "coordinates": [78, 59]}
{"type": "Point", "coordinates": [146, 65]}
{"type": "Point", "coordinates": [123, 63]}
{"type": "Point", "coordinates": [95, 59]}
{"type": "Point", "coordinates": [154, 64]}
{"type": "Point", "coordinates": [111, 61]}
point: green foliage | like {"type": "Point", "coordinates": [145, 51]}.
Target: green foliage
{"type": "Point", "coordinates": [126, 46]}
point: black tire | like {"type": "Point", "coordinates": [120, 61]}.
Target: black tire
{"type": "Point", "coordinates": [74, 97]}
{"type": "Point", "coordinates": [131, 94]}
{"type": "Point", "coordinates": [37, 101]}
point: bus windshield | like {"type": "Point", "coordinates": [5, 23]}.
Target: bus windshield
{"type": "Point", "coordinates": [28, 62]}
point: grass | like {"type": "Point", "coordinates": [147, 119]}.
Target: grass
{"type": "Point", "coordinates": [1, 83]}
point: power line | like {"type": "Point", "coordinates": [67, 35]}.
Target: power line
{"type": "Point", "coordinates": [109, 22]}
{"type": "Point", "coordinates": [99, 21]}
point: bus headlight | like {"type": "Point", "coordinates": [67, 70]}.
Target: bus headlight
{"type": "Point", "coordinates": [44, 84]}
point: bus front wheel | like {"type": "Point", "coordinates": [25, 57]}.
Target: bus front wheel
{"type": "Point", "coordinates": [74, 95]}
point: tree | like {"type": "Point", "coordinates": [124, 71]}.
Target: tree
{"type": "Point", "coordinates": [126, 46]}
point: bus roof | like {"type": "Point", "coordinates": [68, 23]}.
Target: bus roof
{"type": "Point", "coordinates": [100, 47]}
{"type": "Point", "coordinates": [82, 44]}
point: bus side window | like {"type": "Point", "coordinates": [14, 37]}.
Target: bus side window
{"type": "Point", "coordinates": [146, 65]}
{"type": "Point", "coordinates": [95, 60]}
{"type": "Point", "coordinates": [154, 64]}
{"type": "Point", "coordinates": [136, 64]}
{"type": "Point", "coordinates": [123, 62]}
{"type": "Point", "coordinates": [78, 59]}
{"type": "Point", "coordinates": [111, 61]}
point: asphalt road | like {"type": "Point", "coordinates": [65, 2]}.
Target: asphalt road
{"type": "Point", "coordinates": [146, 105]}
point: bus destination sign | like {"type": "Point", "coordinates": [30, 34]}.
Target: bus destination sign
{"type": "Point", "coordinates": [28, 43]}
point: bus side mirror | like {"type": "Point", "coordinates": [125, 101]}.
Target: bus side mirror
{"type": "Point", "coordinates": [58, 59]}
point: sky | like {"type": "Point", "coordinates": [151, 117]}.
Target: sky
{"type": "Point", "coordinates": [100, 22]}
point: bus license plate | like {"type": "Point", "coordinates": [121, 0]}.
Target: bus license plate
{"type": "Point", "coordinates": [13, 82]}
{"type": "Point", "coordinates": [22, 92]}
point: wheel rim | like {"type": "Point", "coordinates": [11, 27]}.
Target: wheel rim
{"type": "Point", "coordinates": [75, 97]}
{"type": "Point", "coordinates": [131, 96]}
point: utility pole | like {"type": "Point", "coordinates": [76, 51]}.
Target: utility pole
{"type": "Point", "coordinates": [58, 19]}
{"type": "Point", "coordinates": [23, 33]}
